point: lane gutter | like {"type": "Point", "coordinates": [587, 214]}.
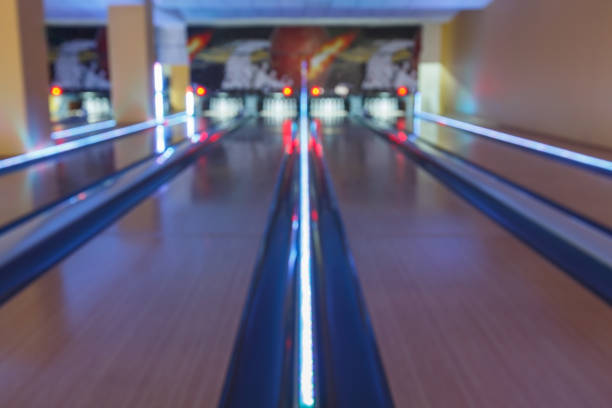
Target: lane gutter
{"type": "Point", "coordinates": [350, 371]}
{"type": "Point", "coordinates": [580, 250]}
{"type": "Point", "coordinates": [261, 371]}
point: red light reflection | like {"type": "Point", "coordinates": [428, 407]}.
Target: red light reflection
{"type": "Point", "coordinates": [288, 136]}
{"type": "Point", "coordinates": [314, 214]}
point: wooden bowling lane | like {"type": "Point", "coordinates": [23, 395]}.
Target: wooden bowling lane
{"type": "Point", "coordinates": [464, 314]}
{"type": "Point", "coordinates": [576, 188]}
{"type": "Point", "coordinates": [145, 314]}
{"type": "Point", "coordinates": [38, 185]}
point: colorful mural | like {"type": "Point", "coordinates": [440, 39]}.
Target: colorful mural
{"type": "Point", "coordinates": [266, 59]}
{"type": "Point", "coordinates": [257, 58]}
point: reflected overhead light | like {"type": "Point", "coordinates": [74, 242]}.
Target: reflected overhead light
{"type": "Point", "coordinates": [165, 155]}
{"type": "Point", "coordinates": [382, 107]}
{"type": "Point", "coordinates": [160, 139]}
{"type": "Point", "coordinates": [341, 90]}
{"type": "Point", "coordinates": [191, 133]}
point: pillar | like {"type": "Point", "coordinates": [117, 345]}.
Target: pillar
{"type": "Point", "coordinates": [431, 69]}
{"type": "Point", "coordinates": [24, 78]}
{"type": "Point", "coordinates": [132, 54]}
{"type": "Point", "coordinates": [171, 40]}
{"type": "Point", "coordinates": [179, 81]}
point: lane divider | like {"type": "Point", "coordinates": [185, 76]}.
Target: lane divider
{"type": "Point", "coordinates": [305, 319]}
{"type": "Point", "coordinates": [82, 130]}
{"type": "Point", "coordinates": [571, 156]}
{"type": "Point", "coordinates": [262, 370]}
{"type": "Point", "coordinates": [25, 159]}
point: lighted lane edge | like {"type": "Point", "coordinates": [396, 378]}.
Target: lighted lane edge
{"type": "Point", "coordinates": [565, 154]}
{"type": "Point", "coordinates": [51, 151]}
{"type": "Point", "coordinates": [305, 318]}
{"type": "Point", "coordinates": [82, 130]}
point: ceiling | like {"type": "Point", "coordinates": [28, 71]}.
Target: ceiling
{"type": "Point", "coordinates": [240, 12]}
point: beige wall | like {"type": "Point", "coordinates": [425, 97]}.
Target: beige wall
{"type": "Point", "coordinates": [538, 65]}
{"type": "Point", "coordinates": [179, 81]}
{"type": "Point", "coordinates": [131, 55]}
{"type": "Point", "coordinates": [430, 68]}
{"type": "Point", "coordinates": [24, 78]}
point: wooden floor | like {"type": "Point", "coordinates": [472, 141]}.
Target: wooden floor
{"type": "Point", "coordinates": [146, 313]}
{"type": "Point", "coordinates": [586, 192]}
{"type": "Point", "coordinates": [464, 314]}
{"type": "Point", "coordinates": [40, 184]}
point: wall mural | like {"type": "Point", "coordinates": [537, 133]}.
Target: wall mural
{"type": "Point", "coordinates": [78, 58]}
{"type": "Point", "coordinates": [257, 58]}
{"type": "Point", "coordinates": [354, 59]}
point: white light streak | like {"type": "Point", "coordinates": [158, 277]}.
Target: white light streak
{"type": "Point", "coordinates": [48, 152]}
{"type": "Point", "coordinates": [158, 77]}
{"type": "Point", "coordinates": [160, 139]}
{"type": "Point", "coordinates": [519, 141]}
{"type": "Point", "coordinates": [189, 103]}
{"type": "Point", "coordinates": [81, 130]}
{"type": "Point", "coordinates": [306, 348]}
{"type": "Point", "coordinates": [158, 84]}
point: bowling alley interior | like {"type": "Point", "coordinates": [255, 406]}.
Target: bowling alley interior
{"type": "Point", "coordinates": [305, 204]}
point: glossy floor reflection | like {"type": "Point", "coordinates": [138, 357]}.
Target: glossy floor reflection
{"type": "Point", "coordinates": [146, 313]}
{"type": "Point", "coordinates": [464, 314]}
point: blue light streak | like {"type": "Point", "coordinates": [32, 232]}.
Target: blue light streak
{"type": "Point", "coordinates": [160, 139]}
{"type": "Point", "coordinates": [580, 158]}
{"type": "Point", "coordinates": [306, 347]}
{"type": "Point", "coordinates": [165, 155]}
{"type": "Point", "coordinates": [158, 83]}
{"type": "Point", "coordinates": [158, 77]}
{"type": "Point", "coordinates": [81, 130]}
{"type": "Point", "coordinates": [189, 103]}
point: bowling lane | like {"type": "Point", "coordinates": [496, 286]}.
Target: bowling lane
{"type": "Point", "coordinates": [145, 314]}
{"type": "Point", "coordinates": [464, 314]}
{"type": "Point", "coordinates": [36, 186]}
{"type": "Point", "coordinates": [583, 191]}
